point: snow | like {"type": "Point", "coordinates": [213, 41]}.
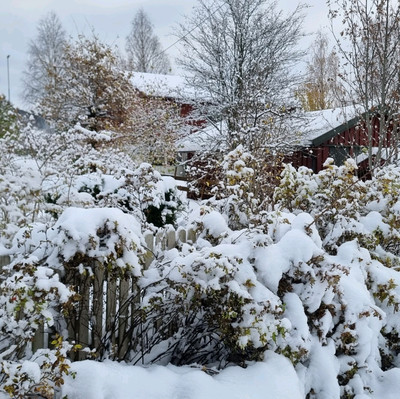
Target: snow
{"type": "Point", "coordinates": [276, 259]}
{"type": "Point", "coordinates": [170, 86]}
{"type": "Point", "coordinates": [210, 138]}
{"type": "Point", "coordinates": [322, 371]}
{"type": "Point", "coordinates": [316, 285]}
{"type": "Point", "coordinates": [215, 224]}
{"type": "Point", "coordinates": [385, 153]}
{"type": "Point", "coordinates": [320, 122]}
{"type": "Point", "coordinates": [76, 231]}
{"type": "Point", "coordinates": [387, 385]}
{"type": "Point", "coordinates": [274, 378]}
{"type": "Point", "coordinates": [294, 311]}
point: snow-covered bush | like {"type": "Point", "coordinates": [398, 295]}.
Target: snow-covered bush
{"type": "Point", "coordinates": [234, 195]}
{"type": "Point", "coordinates": [45, 286]}
{"type": "Point", "coordinates": [42, 173]}
{"type": "Point", "coordinates": [355, 275]}
{"type": "Point", "coordinates": [42, 375]}
{"type": "Point", "coordinates": [210, 306]}
{"type": "Point", "coordinates": [31, 296]}
{"type": "Point", "coordinates": [244, 177]}
{"type": "Point", "coordinates": [321, 278]}
{"type": "Point", "coordinates": [335, 197]}
{"type": "Point", "coordinates": [38, 170]}
{"type": "Point", "coordinates": [311, 274]}
{"type": "Point", "coordinates": [142, 192]}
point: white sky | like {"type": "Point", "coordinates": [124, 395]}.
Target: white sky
{"type": "Point", "coordinates": [110, 20]}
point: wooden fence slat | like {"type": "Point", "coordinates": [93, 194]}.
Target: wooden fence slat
{"type": "Point", "coordinates": [149, 256]}
{"type": "Point", "coordinates": [98, 305]}
{"type": "Point", "coordinates": [159, 239]}
{"type": "Point", "coordinates": [38, 339]}
{"type": "Point", "coordinates": [123, 315]}
{"type": "Point", "coordinates": [84, 314]}
{"type": "Point", "coordinates": [170, 239]}
{"type": "Point", "coordinates": [4, 260]}
{"type": "Point", "coordinates": [111, 304]}
{"type": "Point", "coordinates": [191, 236]}
{"type": "Point", "coordinates": [182, 235]}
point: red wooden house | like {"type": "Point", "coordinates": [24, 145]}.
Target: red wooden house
{"type": "Point", "coordinates": [337, 134]}
{"type": "Point", "coordinates": [173, 89]}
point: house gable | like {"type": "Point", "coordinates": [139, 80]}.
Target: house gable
{"type": "Point", "coordinates": [348, 138]}
{"type": "Point", "coordinates": [336, 131]}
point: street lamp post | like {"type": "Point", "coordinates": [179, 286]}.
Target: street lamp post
{"type": "Point", "coordinates": [8, 76]}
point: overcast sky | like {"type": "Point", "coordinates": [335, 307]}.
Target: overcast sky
{"type": "Point", "coordinates": [109, 18]}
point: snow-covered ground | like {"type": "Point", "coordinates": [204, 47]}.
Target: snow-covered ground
{"type": "Point", "coordinates": [274, 378]}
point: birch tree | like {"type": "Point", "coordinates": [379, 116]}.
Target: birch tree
{"type": "Point", "coordinates": [321, 89]}
{"type": "Point", "coordinates": [45, 58]}
{"type": "Point", "coordinates": [143, 47]}
{"type": "Point", "coordinates": [370, 46]}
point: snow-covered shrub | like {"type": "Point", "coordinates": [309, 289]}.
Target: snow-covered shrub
{"type": "Point", "coordinates": [312, 275]}
{"type": "Point", "coordinates": [31, 296]}
{"type": "Point", "coordinates": [42, 375]}
{"type": "Point", "coordinates": [142, 192]}
{"type": "Point", "coordinates": [38, 169]}
{"type": "Point", "coordinates": [345, 207]}
{"type": "Point", "coordinates": [239, 184]}
{"type": "Point", "coordinates": [234, 195]}
{"type": "Point", "coordinates": [204, 173]}
{"type": "Point", "coordinates": [357, 223]}
{"type": "Point", "coordinates": [42, 173]}
{"type": "Point", "coordinates": [341, 308]}
{"type": "Point", "coordinates": [335, 197]}
{"type": "Point", "coordinates": [210, 306]}
{"type": "Point", "coordinates": [45, 286]}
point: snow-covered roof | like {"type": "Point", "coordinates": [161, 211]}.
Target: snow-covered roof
{"type": "Point", "coordinates": [318, 123]}
{"type": "Point", "coordinates": [210, 138]}
{"type": "Point", "coordinates": [170, 86]}
{"type": "Point", "coordinates": [385, 154]}
{"type": "Point", "coordinates": [311, 129]}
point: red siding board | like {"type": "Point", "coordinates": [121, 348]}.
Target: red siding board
{"type": "Point", "coordinates": [356, 136]}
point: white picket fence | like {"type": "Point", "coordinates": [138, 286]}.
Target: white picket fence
{"type": "Point", "coordinates": [108, 304]}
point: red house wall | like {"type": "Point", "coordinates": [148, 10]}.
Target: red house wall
{"type": "Point", "coordinates": [356, 136]}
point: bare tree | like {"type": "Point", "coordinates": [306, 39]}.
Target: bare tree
{"type": "Point", "coordinates": [144, 50]}
{"type": "Point", "coordinates": [45, 57]}
{"type": "Point", "coordinates": [370, 46]}
{"type": "Point", "coordinates": [241, 54]}
{"type": "Point", "coordinates": [321, 89]}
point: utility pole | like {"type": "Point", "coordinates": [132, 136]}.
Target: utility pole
{"type": "Point", "coordinates": [8, 76]}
